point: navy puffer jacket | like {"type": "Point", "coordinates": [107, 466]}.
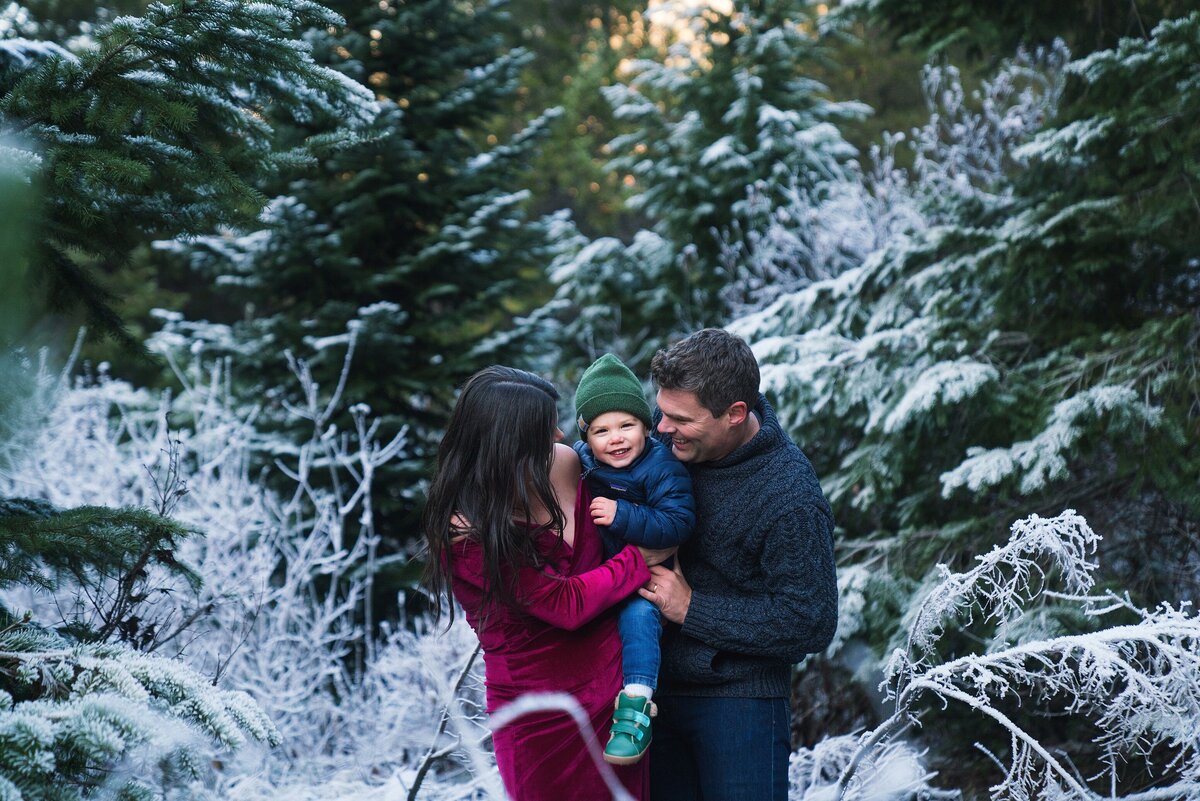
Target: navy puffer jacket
{"type": "Point", "coordinates": [654, 497]}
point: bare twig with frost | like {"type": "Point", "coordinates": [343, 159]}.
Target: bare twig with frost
{"type": "Point", "coordinates": [435, 753]}
{"type": "Point", "coordinates": [1138, 682]}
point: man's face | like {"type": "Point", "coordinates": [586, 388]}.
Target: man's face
{"type": "Point", "coordinates": [696, 436]}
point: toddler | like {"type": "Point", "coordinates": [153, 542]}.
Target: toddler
{"type": "Point", "coordinates": [642, 495]}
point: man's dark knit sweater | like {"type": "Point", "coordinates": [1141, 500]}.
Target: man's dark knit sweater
{"type": "Point", "coordinates": [760, 565]}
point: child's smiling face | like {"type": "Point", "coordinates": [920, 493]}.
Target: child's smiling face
{"type": "Point", "coordinates": [616, 438]}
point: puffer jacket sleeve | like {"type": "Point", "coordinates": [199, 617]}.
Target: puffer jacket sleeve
{"type": "Point", "coordinates": [668, 516]}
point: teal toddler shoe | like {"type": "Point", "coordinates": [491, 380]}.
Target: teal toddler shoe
{"type": "Point", "coordinates": [630, 734]}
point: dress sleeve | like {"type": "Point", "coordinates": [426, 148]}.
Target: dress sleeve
{"type": "Point", "coordinates": [569, 602]}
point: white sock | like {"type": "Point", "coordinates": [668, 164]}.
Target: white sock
{"type": "Point", "coordinates": [640, 690]}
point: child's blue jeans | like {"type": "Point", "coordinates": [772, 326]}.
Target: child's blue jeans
{"type": "Point", "coordinates": [640, 627]}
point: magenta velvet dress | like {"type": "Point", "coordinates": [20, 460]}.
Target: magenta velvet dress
{"type": "Point", "coordinates": [563, 640]}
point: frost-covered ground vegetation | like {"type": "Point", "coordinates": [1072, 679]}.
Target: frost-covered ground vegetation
{"type": "Point", "coordinates": [279, 613]}
{"type": "Point", "coordinates": [285, 576]}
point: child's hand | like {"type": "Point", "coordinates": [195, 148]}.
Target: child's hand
{"type": "Point", "coordinates": [603, 511]}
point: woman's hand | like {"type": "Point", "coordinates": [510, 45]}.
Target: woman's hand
{"type": "Point", "coordinates": [656, 556]}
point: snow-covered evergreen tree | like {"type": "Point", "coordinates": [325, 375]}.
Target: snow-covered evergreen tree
{"type": "Point", "coordinates": [964, 153]}
{"type": "Point", "coordinates": [415, 235]}
{"type": "Point", "coordinates": [1032, 347]}
{"type": "Point", "coordinates": [154, 126]}
{"type": "Point", "coordinates": [727, 109]}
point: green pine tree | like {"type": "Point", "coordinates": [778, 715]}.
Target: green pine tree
{"type": "Point", "coordinates": [578, 47]}
{"type": "Point", "coordinates": [727, 115]}
{"type": "Point", "coordinates": [153, 126]}
{"type": "Point", "coordinates": [414, 238]}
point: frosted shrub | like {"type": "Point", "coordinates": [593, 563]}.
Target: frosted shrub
{"type": "Point", "coordinates": [968, 145]}
{"type": "Point", "coordinates": [1138, 681]}
{"type": "Point", "coordinates": [286, 577]}
{"type": "Point", "coordinates": [795, 233]}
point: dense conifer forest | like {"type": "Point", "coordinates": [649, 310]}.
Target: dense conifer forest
{"type": "Point", "coordinates": [250, 250]}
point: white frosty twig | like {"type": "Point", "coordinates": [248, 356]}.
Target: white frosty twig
{"type": "Point", "coordinates": [1140, 682]}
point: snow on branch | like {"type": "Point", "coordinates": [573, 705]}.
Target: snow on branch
{"type": "Point", "coordinates": [1137, 682]}
{"type": "Point", "coordinates": [1006, 578]}
{"type": "Point", "coordinates": [1045, 457]}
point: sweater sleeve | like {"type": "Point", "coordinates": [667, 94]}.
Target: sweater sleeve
{"type": "Point", "coordinates": [668, 516]}
{"type": "Point", "coordinates": [571, 602]}
{"type": "Point", "coordinates": [795, 611]}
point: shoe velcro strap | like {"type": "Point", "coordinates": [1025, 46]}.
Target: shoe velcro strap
{"type": "Point", "coordinates": [639, 718]}
{"type": "Point", "coordinates": [625, 727]}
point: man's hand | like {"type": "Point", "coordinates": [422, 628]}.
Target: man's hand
{"type": "Point", "coordinates": [669, 591]}
{"type": "Point", "coordinates": [656, 556]}
{"type": "Point", "coordinates": [603, 511]}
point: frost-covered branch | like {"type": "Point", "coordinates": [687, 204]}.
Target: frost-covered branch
{"type": "Point", "coordinates": [431, 755]}
{"type": "Point", "coordinates": [1139, 682]}
{"type": "Point", "coordinates": [1007, 577]}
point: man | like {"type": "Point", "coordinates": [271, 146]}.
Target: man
{"type": "Point", "coordinates": [753, 590]}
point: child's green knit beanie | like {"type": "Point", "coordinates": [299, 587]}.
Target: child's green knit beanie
{"type": "Point", "coordinates": [610, 386]}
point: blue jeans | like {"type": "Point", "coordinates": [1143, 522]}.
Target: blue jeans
{"type": "Point", "coordinates": [720, 749]}
{"type": "Point", "coordinates": [640, 627]}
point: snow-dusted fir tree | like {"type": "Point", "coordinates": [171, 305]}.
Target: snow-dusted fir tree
{"type": "Point", "coordinates": [415, 234]}
{"type": "Point", "coordinates": [1032, 348]}
{"type": "Point", "coordinates": [982, 29]}
{"type": "Point", "coordinates": [154, 126]}
{"type": "Point", "coordinates": [726, 109]}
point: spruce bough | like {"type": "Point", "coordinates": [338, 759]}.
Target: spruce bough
{"type": "Point", "coordinates": [158, 127]}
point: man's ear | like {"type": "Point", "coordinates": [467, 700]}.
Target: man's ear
{"type": "Point", "coordinates": [737, 412]}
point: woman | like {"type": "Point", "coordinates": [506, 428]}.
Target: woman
{"type": "Point", "coordinates": [509, 533]}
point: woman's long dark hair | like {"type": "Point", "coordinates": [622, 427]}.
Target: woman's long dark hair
{"type": "Point", "coordinates": [493, 465]}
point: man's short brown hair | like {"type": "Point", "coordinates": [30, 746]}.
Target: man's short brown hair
{"type": "Point", "coordinates": [713, 364]}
